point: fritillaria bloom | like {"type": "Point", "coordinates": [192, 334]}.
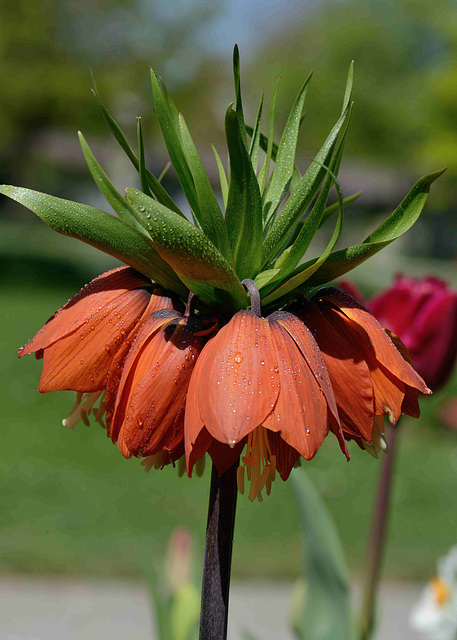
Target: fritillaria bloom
{"type": "Point", "coordinates": [80, 341]}
{"type": "Point", "coordinates": [370, 376]}
{"type": "Point", "coordinates": [260, 382]}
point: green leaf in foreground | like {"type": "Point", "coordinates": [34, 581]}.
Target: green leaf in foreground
{"type": "Point", "coordinates": [101, 230]}
{"type": "Point", "coordinates": [402, 219]}
{"type": "Point", "coordinates": [194, 258]}
{"type": "Point", "coordinates": [324, 609]}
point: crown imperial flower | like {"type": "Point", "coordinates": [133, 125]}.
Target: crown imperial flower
{"type": "Point", "coordinates": [253, 362]}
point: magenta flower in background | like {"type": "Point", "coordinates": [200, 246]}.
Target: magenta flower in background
{"type": "Point", "coordinates": [423, 314]}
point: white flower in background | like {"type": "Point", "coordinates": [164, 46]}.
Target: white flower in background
{"type": "Point", "coordinates": [436, 612]}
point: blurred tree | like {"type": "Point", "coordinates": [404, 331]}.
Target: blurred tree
{"type": "Point", "coordinates": [405, 76]}
{"type": "Point", "coordinates": [47, 47]}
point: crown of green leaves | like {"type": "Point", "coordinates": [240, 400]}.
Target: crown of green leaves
{"type": "Point", "coordinates": [271, 214]}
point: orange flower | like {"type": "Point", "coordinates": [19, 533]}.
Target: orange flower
{"type": "Point", "coordinates": [147, 387]}
{"type": "Point", "coordinates": [369, 374]}
{"type": "Point", "coordinates": [79, 343]}
{"type": "Point", "coordinates": [260, 382]}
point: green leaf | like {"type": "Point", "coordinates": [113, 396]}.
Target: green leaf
{"type": "Point", "coordinates": [402, 219]}
{"type": "Point", "coordinates": [190, 253]}
{"type": "Point", "coordinates": [142, 163]}
{"type": "Point", "coordinates": [312, 223]}
{"type": "Point", "coordinates": [284, 165]}
{"type": "Point", "coordinates": [239, 105]}
{"type": "Point", "coordinates": [303, 194]}
{"type": "Point", "coordinates": [265, 276]}
{"type": "Point", "coordinates": [120, 206]}
{"type": "Point", "coordinates": [101, 230]}
{"type": "Point", "coordinates": [173, 144]}
{"type": "Point", "coordinates": [211, 218]}
{"type": "Point", "coordinates": [302, 274]}
{"type": "Point", "coordinates": [325, 609]}
{"type": "Point", "coordinates": [263, 175]}
{"type": "Point", "coordinates": [164, 171]}
{"type": "Point", "coordinates": [333, 208]}
{"type": "Point", "coordinates": [255, 141]}
{"type": "Point", "coordinates": [154, 184]}
{"type": "Point", "coordinates": [222, 176]}
{"type": "Point", "coordinates": [244, 207]}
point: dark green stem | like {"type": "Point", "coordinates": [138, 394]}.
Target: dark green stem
{"type": "Point", "coordinates": [218, 555]}
{"type": "Point", "coordinates": [378, 535]}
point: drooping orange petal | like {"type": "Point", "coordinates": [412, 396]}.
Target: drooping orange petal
{"type": "Point", "coordinates": [388, 390]}
{"type": "Point", "coordinates": [286, 456]}
{"type": "Point", "coordinates": [92, 300]}
{"type": "Point", "coordinates": [80, 361]}
{"type": "Point", "coordinates": [374, 336]}
{"type": "Point", "coordinates": [196, 448]}
{"type": "Point", "coordinates": [155, 388]}
{"type": "Point", "coordinates": [309, 348]}
{"type": "Point", "coordinates": [348, 370]}
{"type": "Point", "coordinates": [300, 412]}
{"type": "Point", "coordinates": [410, 404]}
{"type": "Point", "coordinates": [135, 366]}
{"type": "Point", "coordinates": [237, 378]}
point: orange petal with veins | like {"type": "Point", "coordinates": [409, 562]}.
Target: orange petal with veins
{"type": "Point", "coordinates": [300, 413]}
{"type": "Point", "coordinates": [236, 382]}
{"type": "Point", "coordinates": [373, 336]}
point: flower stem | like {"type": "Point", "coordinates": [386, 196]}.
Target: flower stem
{"type": "Point", "coordinates": [378, 535]}
{"type": "Point", "coordinates": [218, 555]}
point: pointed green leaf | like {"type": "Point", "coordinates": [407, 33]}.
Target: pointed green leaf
{"type": "Point", "coordinates": [312, 223]}
{"type": "Point", "coordinates": [402, 219]}
{"type": "Point", "coordinates": [120, 206]}
{"type": "Point", "coordinates": [333, 208]}
{"type": "Point", "coordinates": [239, 105]}
{"type": "Point", "coordinates": [141, 161]}
{"type": "Point", "coordinates": [173, 144]}
{"type": "Point", "coordinates": [211, 218]}
{"type": "Point", "coordinates": [303, 194]}
{"type": "Point", "coordinates": [265, 276]}
{"type": "Point", "coordinates": [154, 184]}
{"type": "Point", "coordinates": [284, 164]}
{"type": "Point", "coordinates": [222, 176]}
{"type": "Point", "coordinates": [190, 253]}
{"type": "Point", "coordinates": [325, 610]}
{"type": "Point", "coordinates": [172, 108]}
{"type": "Point", "coordinates": [263, 175]}
{"type": "Point", "coordinates": [164, 171]}
{"type": "Point", "coordinates": [302, 274]}
{"type": "Point", "coordinates": [255, 141]}
{"type": "Point", "coordinates": [101, 230]}
{"type": "Point", "coordinates": [244, 207]}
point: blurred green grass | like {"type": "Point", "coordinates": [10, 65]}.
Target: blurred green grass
{"type": "Point", "coordinates": [71, 504]}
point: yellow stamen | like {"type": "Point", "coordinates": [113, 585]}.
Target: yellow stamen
{"type": "Point", "coordinates": [441, 591]}
{"type": "Point", "coordinates": [259, 465]}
